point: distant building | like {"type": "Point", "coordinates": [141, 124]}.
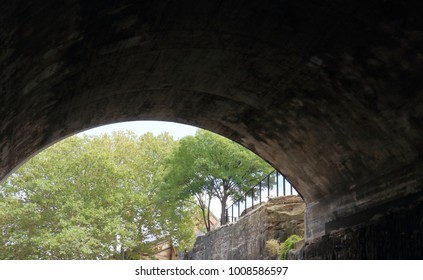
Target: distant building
{"type": "Point", "coordinates": [163, 250]}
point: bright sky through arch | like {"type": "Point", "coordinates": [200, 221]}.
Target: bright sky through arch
{"type": "Point", "coordinates": [177, 130]}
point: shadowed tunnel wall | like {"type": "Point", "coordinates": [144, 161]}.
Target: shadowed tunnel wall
{"type": "Point", "coordinates": [328, 92]}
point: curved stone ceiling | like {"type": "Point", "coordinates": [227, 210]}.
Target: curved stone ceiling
{"type": "Point", "coordinates": [328, 92]}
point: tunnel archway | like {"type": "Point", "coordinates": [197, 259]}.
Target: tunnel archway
{"type": "Point", "coordinates": [328, 93]}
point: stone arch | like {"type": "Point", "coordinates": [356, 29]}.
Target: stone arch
{"type": "Point", "coordinates": [329, 93]}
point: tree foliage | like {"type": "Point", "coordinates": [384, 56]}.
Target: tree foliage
{"type": "Point", "coordinates": [207, 165]}
{"type": "Point", "coordinates": [91, 198]}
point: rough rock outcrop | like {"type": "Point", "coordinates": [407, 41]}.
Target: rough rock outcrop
{"type": "Point", "coordinates": [246, 239]}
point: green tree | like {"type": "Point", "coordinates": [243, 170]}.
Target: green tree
{"type": "Point", "coordinates": [91, 198]}
{"type": "Point", "coordinates": [207, 165]}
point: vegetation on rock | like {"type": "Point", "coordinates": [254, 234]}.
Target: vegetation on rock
{"type": "Point", "coordinates": [287, 245]}
{"type": "Point", "coordinates": [272, 247]}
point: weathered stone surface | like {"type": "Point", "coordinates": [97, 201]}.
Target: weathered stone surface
{"type": "Point", "coordinates": [395, 235]}
{"type": "Point", "coordinates": [367, 201]}
{"type": "Point", "coordinates": [246, 239]}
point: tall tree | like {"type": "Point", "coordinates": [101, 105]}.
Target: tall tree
{"type": "Point", "coordinates": [90, 198]}
{"type": "Point", "coordinates": [207, 165]}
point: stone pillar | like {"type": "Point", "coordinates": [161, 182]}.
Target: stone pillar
{"type": "Point", "coordinates": [378, 219]}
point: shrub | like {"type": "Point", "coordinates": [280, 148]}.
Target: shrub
{"type": "Point", "coordinates": [287, 245]}
{"type": "Point", "coordinates": [272, 247]}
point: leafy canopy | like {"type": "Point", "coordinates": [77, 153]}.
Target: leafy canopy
{"type": "Point", "coordinates": [209, 166]}
{"type": "Point", "coordinates": [91, 198]}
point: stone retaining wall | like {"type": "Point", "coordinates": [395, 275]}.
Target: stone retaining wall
{"type": "Point", "coordinates": [246, 239]}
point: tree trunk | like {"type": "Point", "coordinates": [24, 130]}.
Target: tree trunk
{"type": "Point", "coordinates": [205, 211]}
{"type": "Point", "coordinates": [223, 217]}
{"type": "Point", "coordinates": [205, 219]}
{"type": "Point", "coordinates": [208, 215]}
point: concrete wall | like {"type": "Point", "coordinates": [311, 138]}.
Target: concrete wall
{"type": "Point", "coordinates": [246, 239]}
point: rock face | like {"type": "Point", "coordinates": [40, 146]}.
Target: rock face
{"type": "Point", "coordinates": [246, 239]}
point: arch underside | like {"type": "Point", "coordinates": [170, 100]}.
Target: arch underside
{"type": "Point", "coordinates": [330, 95]}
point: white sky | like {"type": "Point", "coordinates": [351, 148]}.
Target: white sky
{"type": "Point", "coordinates": [177, 130]}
